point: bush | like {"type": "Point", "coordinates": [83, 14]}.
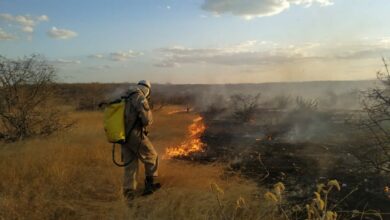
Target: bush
{"type": "Point", "coordinates": [27, 94]}
{"type": "Point", "coordinates": [244, 106]}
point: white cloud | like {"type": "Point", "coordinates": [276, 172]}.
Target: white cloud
{"type": "Point", "coordinates": [365, 48]}
{"type": "Point", "coordinates": [6, 36]}
{"type": "Point", "coordinates": [96, 56]}
{"type": "Point", "coordinates": [250, 9]}
{"type": "Point", "coordinates": [167, 64]}
{"type": "Point", "coordinates": [61, 33]}
{"type": "Point", "coordinates": [27, 29]}
{"type": "Point", "coordinates": [64, 61]}
{"type": "Point", "coordinates": [18, 19]}
{"type": "Point", "coordinates": [26, 23]}
{"type": "Point", "coordinates": [123, 56]}
{"type": "Point", "coordinates": [43, 18]}
{"type": "Point", "coordinates": [116, 56]}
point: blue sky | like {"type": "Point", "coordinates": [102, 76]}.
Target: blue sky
{"type": "Point", "coordinates": [200, 41]}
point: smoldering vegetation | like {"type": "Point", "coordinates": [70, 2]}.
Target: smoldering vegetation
{"type": "Point", "coordinates": [315, 133]}
{"type": "Point", "coordinates": [301, 134]}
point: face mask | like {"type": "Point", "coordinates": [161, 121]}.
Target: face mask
{"type": "Point", "coordinates": [145, 90]}
{"type": "Point", "coordinates": [147, 95]}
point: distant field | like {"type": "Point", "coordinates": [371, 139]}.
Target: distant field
{"type": "Point", "coordinates": [71, 176]}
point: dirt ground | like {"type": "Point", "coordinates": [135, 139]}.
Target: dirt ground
{"type": "Point", "coordinates": [71, 176]}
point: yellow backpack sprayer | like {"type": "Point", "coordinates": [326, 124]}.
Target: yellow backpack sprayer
{"type": "Point", "coordinates": [114, 124]}
{"type": "Point", "coordinates": [114, 121]}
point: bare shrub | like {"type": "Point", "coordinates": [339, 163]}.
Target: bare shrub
{"type": "Point", "coordinates": [306, 104]}
{"type": "Point", "coordinates": [282, 102]}
{"type": "Point", "coordinates": [244, 106]}
{"type": "Point", "coordinates": [27, 107]}
{"type": "Point", "coordinates": [216, 107]}
{"type": "Point", "coordinates": [376, 102]}
{"type": "Point", "coordinates": [214, 110]}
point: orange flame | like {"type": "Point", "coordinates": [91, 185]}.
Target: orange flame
{"type": "Point", "coordinates": [176, 111]}
{"type": "Point", "coordinates": [193, 144]}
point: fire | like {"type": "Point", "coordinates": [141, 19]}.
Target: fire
{"type": "Point", "coordinates": [176, 111]}
{"type": "Point", "coordinates": [192, 144]}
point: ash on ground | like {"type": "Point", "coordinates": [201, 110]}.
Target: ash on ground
{"type": "Point", "coordinates": [300, 150]}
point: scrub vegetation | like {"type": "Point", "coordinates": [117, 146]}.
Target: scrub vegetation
{"type": "Point", "coordinates": [71, 176]}
{"type": "Point", "coordinates": [28, 104]}
{"type": "Point", "coordinates": [236, 151]}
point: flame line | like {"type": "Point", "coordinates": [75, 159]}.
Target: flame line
{"type": "Point", "coordinates": [192, 145]}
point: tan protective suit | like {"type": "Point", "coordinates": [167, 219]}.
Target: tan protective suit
{"type": "Point", "coordinates": [138, 116]}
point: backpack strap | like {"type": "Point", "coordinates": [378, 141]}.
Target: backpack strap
{"type": "Point", "coordinates": [127, 98]}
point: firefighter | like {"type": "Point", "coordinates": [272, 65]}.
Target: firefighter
{"type": "Point", "coordinates": [138, 117]}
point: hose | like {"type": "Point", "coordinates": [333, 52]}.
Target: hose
{"type": "Point", "coordinates": [136, 154]}
{"type": "Point", "coordinates": [114, 161]}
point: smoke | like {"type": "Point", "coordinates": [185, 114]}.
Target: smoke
{"type": "Point", "coordinates": [116, 91]}
{"type": "Point", "coordinates": [298, 130]}
{"type": "Point", "coordinates": [329, 95]}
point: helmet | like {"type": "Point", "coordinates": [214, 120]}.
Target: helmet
{"type": "Point", "coordinates": [145, 87]}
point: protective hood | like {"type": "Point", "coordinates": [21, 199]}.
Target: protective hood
{"type": "Point", "coordinates": [145, 90]}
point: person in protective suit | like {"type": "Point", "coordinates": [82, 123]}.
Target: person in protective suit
{"type": "Point", "coordinates": [138, 117]}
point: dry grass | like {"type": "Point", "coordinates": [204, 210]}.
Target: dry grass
{"type": "Point", "coordinates": [71, 176]}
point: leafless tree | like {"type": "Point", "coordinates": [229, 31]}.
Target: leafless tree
{"type": "Point", "coordinates": [376, 102]}
{"type": "Point", "coordinates": [26, 98]}
{"type": "Point", "coordinates": [244, 106]}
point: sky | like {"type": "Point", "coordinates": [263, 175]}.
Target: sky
{"type": "Point", "coordinates": [200, 41]}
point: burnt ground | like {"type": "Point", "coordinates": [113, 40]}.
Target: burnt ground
{"type": "Point", "coordinates": [283, 152]}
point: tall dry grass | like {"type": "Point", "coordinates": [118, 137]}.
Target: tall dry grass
{"type": "Point", "coordinates": [71, 176]}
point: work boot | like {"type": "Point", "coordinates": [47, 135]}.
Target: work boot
{"type": "Point", "coordinates": [129, 194]}
{"type": "Point", "coordinates": [150, 186]}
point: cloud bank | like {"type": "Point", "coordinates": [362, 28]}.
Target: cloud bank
{"type": "Point", "coordinates": [64, 61]}
{"type": "Point", "coordinates": [117, 56]}
{"type": "Point", "coordinates": [250, 9]}
{"type": "Point", "coordinates": [123, 56]}
{"type": "Point", "coordinates": [246, 53]}
{"type": "Point", "coordinates": [257, 53]}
